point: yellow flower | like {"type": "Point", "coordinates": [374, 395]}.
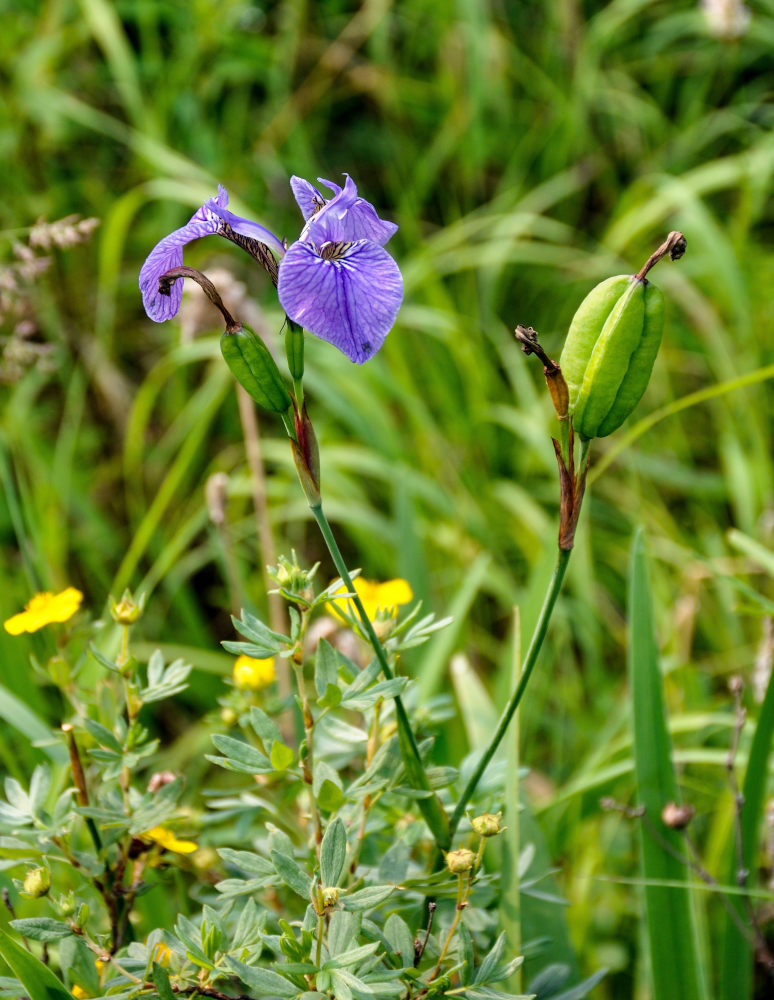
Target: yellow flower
{"type": "Point", "coordinates": [375, 596]}
{"type": "Point", "coordinates": [168, 841]}
{"type": "Point", "coordinates": [161, 953]}
{"type": "Point", "coordinates": [44, 609]}
{"type": "Point", "coordinates": [79, 992]}
{"type": "Point", "coordinates": [252, 673]}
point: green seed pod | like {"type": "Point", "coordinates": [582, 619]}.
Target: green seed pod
{"type": "Point", "coordinates": [255, 369]}
{"type": "Point", "coordinates": [610, 351]}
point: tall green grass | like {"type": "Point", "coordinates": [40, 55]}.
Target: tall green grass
{"type": "Point", "coordinates": [526, 151]}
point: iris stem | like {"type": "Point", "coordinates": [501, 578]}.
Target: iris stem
{"type": "Point", "coordinates": [541, 627]}
{"type": "Point", "coordinates": [431, 808]}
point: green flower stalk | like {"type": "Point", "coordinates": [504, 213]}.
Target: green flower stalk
{"type": "Point", "coordinates": [605, 367]}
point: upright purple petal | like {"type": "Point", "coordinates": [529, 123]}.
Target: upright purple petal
{"type": "Point", "coordinates": [168, 253]}
{"type": "Point", "coordinates": [350, 300]}
{"type": "Point", "coordinates": [343, 218]}
{"type": "Point", "coordinates": [309, 199]}
{"type": "Point", "coordinates": [360, 220]}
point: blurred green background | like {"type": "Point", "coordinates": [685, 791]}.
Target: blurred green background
{"type": "Point", "coordinates": [526, 150]}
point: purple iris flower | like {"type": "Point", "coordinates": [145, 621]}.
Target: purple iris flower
{"type": "Point", "coordinates": [336, 280]}
{"type": "Point", "coordinates": [213, 217]}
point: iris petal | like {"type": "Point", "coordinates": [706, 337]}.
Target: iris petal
{"type": "Point", "coordinates": [350, 300]}
{"type": "Point", "coordinates": [309, 199]}
{"type": "Point", "coordinates": [346, 217]}
{"type": "Point", "coordinates": [168, 253]}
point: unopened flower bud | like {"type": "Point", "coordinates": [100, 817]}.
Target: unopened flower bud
{"type": "Point", "coordinates": [383, 625]}
{"type": "Point", "coordinates": [37, 882]}
{"type": "Point", "coordinates": [228, 716]}
{"type": "Point", "coordinates": [460, 861]}
{"type": "Point", "coordinates": [677, 817]}
{"type": "Point", "coordinates": [330, 895]}
{"type": "Point", "coordinates": [127, 610]}
{"type": "Point", "coordinates": [487, 824]}
{"type": "Point", "coordinates": [160, 779]}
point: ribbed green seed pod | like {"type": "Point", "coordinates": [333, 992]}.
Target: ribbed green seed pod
{"type": "Point", "coordinates": [609, 352]}
{"type": "Point", "coordinates": [255, 369]}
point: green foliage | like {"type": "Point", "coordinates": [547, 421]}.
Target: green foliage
{"type": "Point", "coordinates": [527, 152]}
{"type": "Point", "coordinates": [675, 965]}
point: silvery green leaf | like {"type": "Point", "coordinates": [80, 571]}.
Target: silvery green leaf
{"type": "Point", "coordinates": [231, 888]}
{"type": "Point", "coordinates": [241, 755]}
{"type": "Point", "coordinates": [41, 928]}
{"type": "Point", "coordinates": [102, 735]}
{"type": "Point", "coordinates": [292, 874]}
{"type": "Point", "coordinates": [263, 980]}
{"type": "Point", "coordinates": [342, 733]}
{"type": "Point", "coordinates": [365, 899]}
{"type": "Point", "coordinates": [363, 679]}
{"type": "Point", "coordinates": [352, 957]}
{"type": "Point", "coordinates": [333, 853]}
{"type": "Point", "coordinates": [343, 931]}
{"type": "Point", "coordinates": [165, 683]}
{"type": "Point", "coordinates": [330, 797]}
{"type": "Point", "coordinates": [401, 939]}
{"type": "Point", "coordinates": [40, 783]}
{"type": "Point", "coordinates": [465, 953]}
{"type": "Point", "coordinates": [265, 727]}
{"type": "Point", "coordinates": [489, 970]}
{"type": "Point", "coordinates": [324, 772]}
{"type": "Point", "coordinates": [249, 927]}
{"type": "Point", "coordinates": [326, 667]}
{"type": "Point", "coordinates": [382, 691]}
{"type": "Point", "coordinates": [249, 862]}
{"type": "Point", "coordinates": [255, 649]}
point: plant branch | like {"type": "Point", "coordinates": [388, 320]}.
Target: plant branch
{"type": "Point", "coordinates": [431, 807]}
{"type": "Point", "coordinates": [530, 659]}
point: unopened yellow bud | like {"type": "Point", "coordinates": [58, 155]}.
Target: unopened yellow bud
{"type": "Point", "coordinates": [37, 882]}
{"type": "Point", "coordinates": [127, 610]}
{"type": "Point", "coordinates": [460, 861]}
{"type": "Point", "coordinates": [487, 824]}
{"type": "Point", "coordinates": [330, 895]}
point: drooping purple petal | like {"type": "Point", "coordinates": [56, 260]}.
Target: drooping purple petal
{"type": "Point", "coordinates": [168, 253]}
{"type": "Point", "coordinates": [351, 300]}
{"type": "Point", "coordinates": [309, 199]}
{"type": "Point", "coordinates": [345, 217]}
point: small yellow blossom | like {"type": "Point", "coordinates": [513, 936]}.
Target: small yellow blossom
{"type": "Point", "coordinates": [161, 953]}
{"type": "Point", "coordinates": [252, 673]}
{"type": "Point", "coordinates": [384, 597]}
{"type": "Point", "coordinates": [168, 841]}
{"type": "Point", "coordinates": [43, 609]}
{"type": "Point", "coordinates": [79, 992]}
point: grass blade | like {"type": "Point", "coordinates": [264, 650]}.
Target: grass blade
{"type": "Point", "coordinates": [736, 950]}
{"type": "Point", "coordinates": [674, 959]}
